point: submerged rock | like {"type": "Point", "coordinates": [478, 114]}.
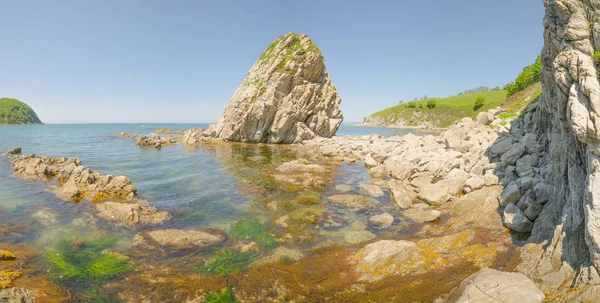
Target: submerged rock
{"type": "Point", "coordinates": [286, 97]}
{"type": "Point", "coordinates": [46, 217]}
{"type": "Point", "coordinates": [353, 202]}
{"type": "Point", "coordinates": [178, 238]}
{"type": "Point", "coordinates": [344, 188]}
{"type": "Point", "coordinates": [16, 295]}
{"type": "Point", "coordinates": [131, 213]}
{"type": "Point", "coordinates": [382, 220]}
{"type": "Point", "coordinates": [489, 285]}
{"type": "Point", "coordinates": [371, 190]}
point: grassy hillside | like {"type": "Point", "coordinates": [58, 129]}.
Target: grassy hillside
{"type": "Point", "coordinates": [13, 111]}
{"type": "Point", "coordinates": [445, 112]}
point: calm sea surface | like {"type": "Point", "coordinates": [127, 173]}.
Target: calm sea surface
{"type": "Point", "coordinates": [204, 187]}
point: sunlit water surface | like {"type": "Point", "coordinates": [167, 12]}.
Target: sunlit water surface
{"type": "Point", "coordinates": [205, 187]}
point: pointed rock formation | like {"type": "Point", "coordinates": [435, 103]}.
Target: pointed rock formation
{"type": "Point", "coordinates": [287, 97]}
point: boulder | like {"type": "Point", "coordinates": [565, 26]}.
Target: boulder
{"type": "Point", "coordinates": [510, 194]}
{"type": "Point", "coordinates": [490, 285]}
{"type": "Point", "coordinates": [474, 183]}
{"type": "Point", "coordinates": [378, 172]}
{"type": "Point", "coordinates": [422, 213]}
{"type": "Point", "coordinates": [286, 97]}
{"type": "Point", "coordinates": [515, 219]}
{"type": "Point", "coordinates": [484, 118]}
{"type": "Point", "coordinates": [401, 193]}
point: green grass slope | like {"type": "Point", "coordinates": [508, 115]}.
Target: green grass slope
{"type": "Point", "coordinates": [445, 112]}
{"type": "Point", "coordinates": [13, 111]}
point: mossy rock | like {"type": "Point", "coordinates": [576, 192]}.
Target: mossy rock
{"type": "Point", "coordinates": [252, 230]}
{"type": "Point", "coordinates": [75, 259]}
{"type": "Point", "coordinates": [224, 262]}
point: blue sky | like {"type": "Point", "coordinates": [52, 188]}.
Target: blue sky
{"type": "Point", "coordinates": [180, 61]}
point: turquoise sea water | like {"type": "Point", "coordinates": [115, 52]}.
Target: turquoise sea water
{"type": "Point", "coordinates": [209, 186]}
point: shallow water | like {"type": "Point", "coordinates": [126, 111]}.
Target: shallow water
{"type": "Point", "coordinates": [212, 186]}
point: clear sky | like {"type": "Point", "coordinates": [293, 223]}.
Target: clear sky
{"type": "Point", "coordinates": [180, 61]}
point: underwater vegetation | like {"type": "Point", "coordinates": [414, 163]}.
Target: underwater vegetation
{"type": "Point", "coordinates": [225, 296]}
{"type": "Point", "coordinates": [224, 262]}
{"type": "Point", "coordinates": [251, 229]}
{"type": "Point", "coordinates": [73, 258]}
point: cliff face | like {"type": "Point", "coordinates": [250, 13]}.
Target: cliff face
{"type": "Point", "coordinates": [286, 97]}
{"type": "Point", "coordinates": [564, 247]}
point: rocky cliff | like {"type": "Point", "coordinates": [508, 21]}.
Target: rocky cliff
{"type": "Point", "coordinates": [286, 97]}
{"type": "Point", "coordinates": [560, 140]}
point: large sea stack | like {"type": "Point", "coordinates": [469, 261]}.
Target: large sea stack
{"type": "Point", "coordinates": [287, 97]}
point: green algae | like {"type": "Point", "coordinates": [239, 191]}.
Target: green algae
{"type": "Point", "coordinates": [251, 229]}
{"type": "Point", "coordinates": [225, 296]}
{"type": "Point", "coordinates": [73, 259]}
{"type": "Point", "coordinates": [225, 262]}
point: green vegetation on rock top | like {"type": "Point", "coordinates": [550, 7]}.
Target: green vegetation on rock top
{"type": "Point", "coordinates": [287, 54]}
{"type": "Point", "coordinates": [13, 111]}
{"type": "Point", "coordinates": [445, 111]}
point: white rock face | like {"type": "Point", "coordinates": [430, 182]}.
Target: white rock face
{"type": "Point", "coordinates": [489, 285]}
{"type": "Point", "coordinates": [287, 97]}
{"type": "Point", "coordinates": [564, 245]}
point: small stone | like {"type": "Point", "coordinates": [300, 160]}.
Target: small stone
{"type": "Point", "coordinates": [511, 194]}
{"type": "Point", "coordinates": [371, 190]}
{"type": "Point", "coordinates": [382, 220]}
{"type": "Point", "coordinates": [514, 219]}
{"type": "Point", "coordinates": [344, 188]}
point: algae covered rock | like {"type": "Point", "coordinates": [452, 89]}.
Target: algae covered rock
{"type": "Point", "coordinates": [287, 97]}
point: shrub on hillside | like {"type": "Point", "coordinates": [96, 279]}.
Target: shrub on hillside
{"type": "Point", "coordinates": [529, 75]}
{"type": "Point", "coordinates": [431, 104]}
{"type": "Point", "coordinates": [479, 102]}
{"type": "Point", "coordinates": [411, 104]}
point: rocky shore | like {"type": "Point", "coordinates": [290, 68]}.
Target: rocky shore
{"type": "Point", "coordinates": [114, 196]}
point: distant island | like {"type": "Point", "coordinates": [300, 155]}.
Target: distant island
{"type": "Point", "coordinates": [13, 111]}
